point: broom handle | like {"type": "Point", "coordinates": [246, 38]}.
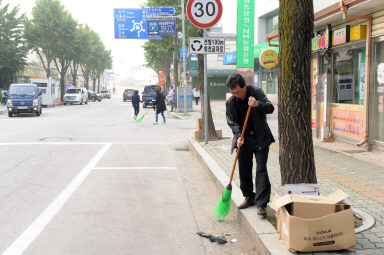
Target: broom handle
{"type": "Point", "coordinates": [238, 149]}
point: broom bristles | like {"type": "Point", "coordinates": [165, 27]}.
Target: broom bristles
{"type": "Point", "coordinates": [140, 119]}
{"type": "Point", "coordinates": [224, 205]}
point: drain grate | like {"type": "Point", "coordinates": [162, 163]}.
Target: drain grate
{"type": "Point", "coordinates": [56, 139]}
{"type": "Point", "coordinates": [181, 149]}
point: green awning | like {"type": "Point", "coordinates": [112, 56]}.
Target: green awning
{"type": "Point", "coordinates": [258, 49]}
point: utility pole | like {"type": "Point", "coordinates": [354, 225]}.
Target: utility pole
{"type": "Point", "coordinates": [205, 94]}
{"type": "Point", "coordinates": [184, 55]}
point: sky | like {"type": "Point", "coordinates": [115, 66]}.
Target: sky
{"type": "Point", "coordinates": [99, 16]}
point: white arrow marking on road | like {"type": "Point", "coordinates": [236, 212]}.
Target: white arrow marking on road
{"type": "Point", "coordinates": [27, 237]}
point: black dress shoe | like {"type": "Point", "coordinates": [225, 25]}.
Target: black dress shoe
{"type": "Point", "coordinates": [247, 203]}
{"type": "Point", "coordinates": [261, 211]}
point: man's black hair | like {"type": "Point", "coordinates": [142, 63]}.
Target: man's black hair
{"type": "Point", "coordinates": [234, 80]}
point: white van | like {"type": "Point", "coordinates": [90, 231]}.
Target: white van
{"type": "Point", "coordinates": [76, 96]}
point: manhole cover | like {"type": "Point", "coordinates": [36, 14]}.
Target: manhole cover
{"type": "Point", "coordinates": [181, 149]}
{"type": "Point", "coordinates": [56, 139]}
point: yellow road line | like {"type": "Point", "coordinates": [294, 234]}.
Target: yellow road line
{"type": "Point", "coordinates": [86, 112]}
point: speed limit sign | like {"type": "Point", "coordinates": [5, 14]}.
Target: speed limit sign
{"type": "Point", "coordinates": [204, 13]}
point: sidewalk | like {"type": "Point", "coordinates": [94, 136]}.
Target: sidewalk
{"type": "Point", "coordinates": [358, 173]}
{"type": "Point", "coordinates": [3, 109]}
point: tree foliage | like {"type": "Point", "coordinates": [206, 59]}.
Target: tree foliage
{"type": "Point", "coordinates": [13, 50]}
{"type": "Point", "coordinates": [58, 38]}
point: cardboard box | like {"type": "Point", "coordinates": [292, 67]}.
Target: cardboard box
{"type": "Point", "coordinates": [314, 223]}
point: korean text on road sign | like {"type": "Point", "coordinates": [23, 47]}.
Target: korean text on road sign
{"type": "Point", "coordinates": [130, 24]}
{"type": "Point", "coordinates": [199, 45]}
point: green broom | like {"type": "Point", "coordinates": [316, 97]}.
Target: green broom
{"type": "Point", "coordinates": [224, 205]}
{"type": "Point", "coordinates": [142, 117]}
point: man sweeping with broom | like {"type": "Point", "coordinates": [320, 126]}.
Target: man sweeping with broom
{"type": "Point", "coordinates": [246, 113]}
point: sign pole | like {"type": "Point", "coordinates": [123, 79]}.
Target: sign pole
{"type": "Point", "coordinates": [184, 64]}
{"type": "Point", "coordinates": [205, 95]}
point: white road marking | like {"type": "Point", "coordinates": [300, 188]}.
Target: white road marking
{"type": "Point", "coordinates": [137, 168]}
{"type": "Point", "coordinates": [29, 235]}
{"type": "Point", "coordinates": [85, 143]}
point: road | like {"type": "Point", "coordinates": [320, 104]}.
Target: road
{"type": "Point", "coordinates": [88, 179]}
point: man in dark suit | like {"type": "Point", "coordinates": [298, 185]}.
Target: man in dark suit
{"type": "Point", "coordinates": [257, 139]}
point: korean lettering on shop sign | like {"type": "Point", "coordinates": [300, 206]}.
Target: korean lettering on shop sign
{"type": "Point", "coordinates": [246, 31]}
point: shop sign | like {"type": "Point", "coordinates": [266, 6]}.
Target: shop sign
{"type": "Point", "coordinates": [229, 58]}
{"type": "Point", "coordinates": [245, 33]}
{"type": "Point", "coordinates": [322, 41]}
{"type": "Point", "coordinates": [380, 73]}
{"type": "Point", "coordinates": [269, 58]}
{"type": "Point", "coordinates": [358, 32]}
{"type": "Point", "coordinates": [341, 35]}
{"type": "Point", "coordinates": [348, 119]}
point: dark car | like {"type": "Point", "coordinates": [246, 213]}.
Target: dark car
{"type": "Point", "coordinates": [149, 95]}
{"type": "Point", "coordinates": [93, 96]}
{"type": "Point", "coordinates": [127, 94]}
{"type": "Point", "coordinates": [23, 98]}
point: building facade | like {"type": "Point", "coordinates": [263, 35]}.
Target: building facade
{"type": "Point", "coordinates": [347, 71]}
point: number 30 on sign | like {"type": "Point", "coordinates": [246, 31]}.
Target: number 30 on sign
{"type": "Point", "coordinates": [204, 13]}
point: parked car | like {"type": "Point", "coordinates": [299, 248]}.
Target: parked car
{"type": "Point", "coordinates": [127, 94]}
{"type": "Point", "coordinates": [76, 96]}
{"type": "Point", "coordinates": [149, 95]}
{"type": "Point", "coordinates": [105, 93]}
{"type": "Point", "coordinates": [93, 96]}
{"type": "Point", "coordinates": [23, 98]}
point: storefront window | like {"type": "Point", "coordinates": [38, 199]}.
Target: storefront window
{"type": "Point", "coordinates": [349, 76]}
{"type": "Point", "coordinates": [266, 78]}
{"type": "Point", "coordinates": [347, 91]}
{"type": "Point", "coordinates": [378, 99]}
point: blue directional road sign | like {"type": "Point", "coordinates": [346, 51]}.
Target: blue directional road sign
{"type": "Point", "coordinates": [161, 27]}
{"type": "Point", "coordinates": [130, 24]}
{"type": "Point", "coordinates": [161, 11]}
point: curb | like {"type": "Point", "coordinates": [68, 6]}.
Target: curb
{"type": "Point", "coordinates": [259, 230]}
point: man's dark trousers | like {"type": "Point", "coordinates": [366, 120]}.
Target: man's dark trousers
{"type": "Point", "coordinates": [263, 186]}
{"type": "Point", "coordinates": [137, 109]}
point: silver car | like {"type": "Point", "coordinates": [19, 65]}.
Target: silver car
{"type": "Point", "coordinates": [76, 96]}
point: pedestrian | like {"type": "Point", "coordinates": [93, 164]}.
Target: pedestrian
{"type": "Point", "coordinates": [136, 102]}
{"type": "Point", "coordinates": [170, 96]}
{"type": "Point", "coordinates": [196, 94]}
{"type": "Point", "coordinates": [257, 139]}
{"type": "Point", "coordinates": [159, 106]}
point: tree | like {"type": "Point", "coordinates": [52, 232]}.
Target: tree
{"type": "Point", "coordinates": [13, 50]}
{"type": "Point", "coordinates": [41, 33]}
{"type": "Point", "coordinates": [81, 49]}
{"type": "Point", "coordinates": [295, 134]}
{"type": "Point", "coordinates": [64, 51]}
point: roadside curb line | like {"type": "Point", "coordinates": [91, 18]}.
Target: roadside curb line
{"type": "Point", "coordinates": [259, 230]}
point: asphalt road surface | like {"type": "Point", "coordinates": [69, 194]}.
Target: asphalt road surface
{"type": "Point", "coordinates": [89, 179]}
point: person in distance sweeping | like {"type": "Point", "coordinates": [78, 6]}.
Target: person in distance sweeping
{"type": "Point", "coordinates": [159, 106]}
{"type": "Point", "coordinates": [136, 102]}
{"type": "Point", "coordinates": [257, 139]}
